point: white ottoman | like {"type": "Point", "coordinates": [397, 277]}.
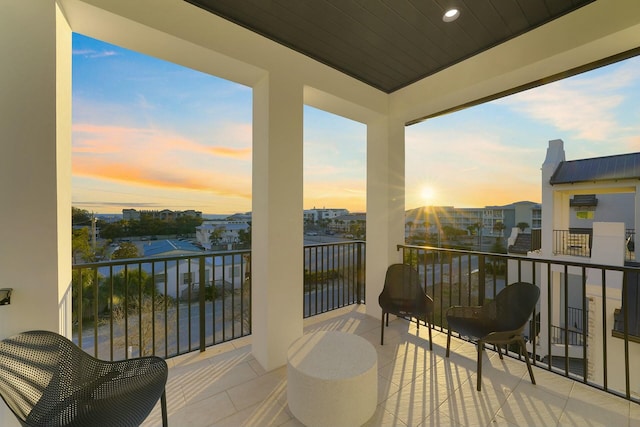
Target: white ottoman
{"type": "Point", "coordinates": [332, 379]}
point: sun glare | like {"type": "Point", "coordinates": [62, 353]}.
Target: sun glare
{"type": "Point", "coordinates": [427, 194]}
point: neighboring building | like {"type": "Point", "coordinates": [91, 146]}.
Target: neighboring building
{"type": "Point", "coordinates": [164, 215]}
{"type": "Point", "coordinates": [590, 211]}
{"type": "Point", "coordinates": [345, 223]}
{"type": "Point", "coordinates": [431, 218]}
{"type": "Point", "coordinates": [246, 217]}
{"type": "Point", "coordinates": [181, 279]}
{"type": "Point", "coordinates": [314, 215]}
{"type": "Point", "coordinates": [230, 230]}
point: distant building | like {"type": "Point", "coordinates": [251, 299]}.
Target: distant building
{"type": "Point", "coordinates": [343, 223]}
{"type": "Point", "coordinates": [246, 217]}
{"type": "Point", "coordinates": [229, 232]}
{"type": "Point", "coordinates": [164, 215]}
{"type": "Point", "coordinates": [433, 218]}
{"type": "Point", "coordinates": [315, 215]}
{"type": "Point", "coordinates": [180, 279]}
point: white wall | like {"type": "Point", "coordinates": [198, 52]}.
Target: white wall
{"type": "Point", "coordinates": [35, 166]}
{"type": "Point", "coordinates": [35, 169]}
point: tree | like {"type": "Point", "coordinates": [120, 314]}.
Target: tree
{"type": "Point", "coordinates": [112, 230]}
{"type": "Point", "coordinates": [451, 232]}
{"type": "Point", "coordinates": [93, 294]}
{"type": "Point", "coordinates": [216, 235]}
{"type": "Point", "coordinates": [126, 250]}
{"type": "Point", "coordinates": [187, 224]}
{"type": "Point", "coordinates": [244, 237]}
{"type": "Point", "coordinates": [498, 247]}
{"type": "Point", "coordinates": [522, 226]}
{"type": "Point", "coordinates": [499, 227]}
{"type": "Point", "coordinates": [80, 216]}
{"type": "Point", "coordinates": [80, 247]}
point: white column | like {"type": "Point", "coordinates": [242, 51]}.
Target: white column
{"type": "Point", "coordinates": [35, 166]}
{"type": "Point", "coordinates": [636, 226]}
{"type": "Point", "coordinates": [35, 169]}
{"type": "Point", "coordinates": [277, 241]}
{"type": "Point", "coordinates": [385, 203]}
{"type": "Point", "coordinates": [551, 201]}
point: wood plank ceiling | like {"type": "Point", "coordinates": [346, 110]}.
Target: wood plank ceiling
{"type": "Point", "coordinates": [389, 44]}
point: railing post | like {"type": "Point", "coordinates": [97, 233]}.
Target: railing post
{"type": "Point", "coordinates": [360, 273]}
{"type": "Point", "coordinates": [481, 279]}
{"type": "Point", "coordinates": [201, 297]}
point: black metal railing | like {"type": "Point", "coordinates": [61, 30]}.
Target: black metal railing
{"type": "Point", "coordinates": [575, 317]}
{"type": "Point", "coordinates": [572, 242]}
{"type": "Point", "coordinates": [561, 335]}
{"type": "Point", "coordinates": [334, 276]}
{"type": "Point", "coordinates": [455, 277]}
{"type": "Point", "coordinates": [167, 306]}
{"type": "Point", "coordinates": [630, 244]}
{"type": "Point", "coordinates": [573, 332]}
{"type": "Point", "coordinates": [163, 306]}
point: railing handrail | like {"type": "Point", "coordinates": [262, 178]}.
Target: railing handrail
{"type": "Point", "coordinates": [147, 260]}
{"type": "Point", "coordinates": [554, 261]}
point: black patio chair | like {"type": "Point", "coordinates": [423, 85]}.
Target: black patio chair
{"type": "Point", "coordinates": [499, 322]}
{"type": "Point", "coordinates": [46, 380]}
{"type": "Point", "coordinates": [403, 296]}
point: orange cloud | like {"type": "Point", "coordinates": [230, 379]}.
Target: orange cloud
{"type": "Point", "coordinates": [136, 175]}
{"type": "Point", "coordinates": [90, 138]}
{"type": "Point", "coordinates": [150, 157]}
{"type": "Point", "coordinates": [234, 153]}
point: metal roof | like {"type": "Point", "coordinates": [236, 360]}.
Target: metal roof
{"type": "Point", "coordinates": [609, 168]}
{"type": "Point", "coordinates": [161, 247]}
{"type": "Point", "coordinates": [389, 44]}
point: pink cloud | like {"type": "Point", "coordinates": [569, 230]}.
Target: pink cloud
{"type": "Point", "coordinates": [148, 157]}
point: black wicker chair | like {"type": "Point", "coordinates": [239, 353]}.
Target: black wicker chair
{"type": "Point", "coordinates": [403, 296]}
{"type": "Point", "coordinates": [46, 380]}
{"type": "Point", "coordinates": [499, 322]}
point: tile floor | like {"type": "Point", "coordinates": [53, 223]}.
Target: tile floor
{"type": "Point", "coordinates": [226, 386]}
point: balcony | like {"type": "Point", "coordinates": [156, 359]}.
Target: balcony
{"type": "Point", "coordinates": [572, 242]}
{"type": "Point", "coordinates": [37, 185]}
{"type": "Point", "coordinates": [578, 242]}
{"type": "Point", "coordinates": [225, 386]}
{"type": "Point", "coordinates": [415, 385]}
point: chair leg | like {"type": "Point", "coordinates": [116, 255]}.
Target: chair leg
{"type": "Point", "coordinates": [382, 329]}
{"type": "Point", "coordinates": [448, 340]}
{"type": "Point", "coordinates": [480, 348]}
{"type": "Point", "coordinates": [497, 348]}
{"type": "Point", "coordinates": [523, 350]}
{"type": "Point", "coordinates": [163, 405]}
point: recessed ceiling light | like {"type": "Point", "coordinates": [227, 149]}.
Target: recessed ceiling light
{"type": "Point", "coordinates": [451, 15]}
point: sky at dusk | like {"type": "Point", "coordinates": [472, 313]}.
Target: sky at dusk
{"type": "Point", "coordinates": [148, 134]}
